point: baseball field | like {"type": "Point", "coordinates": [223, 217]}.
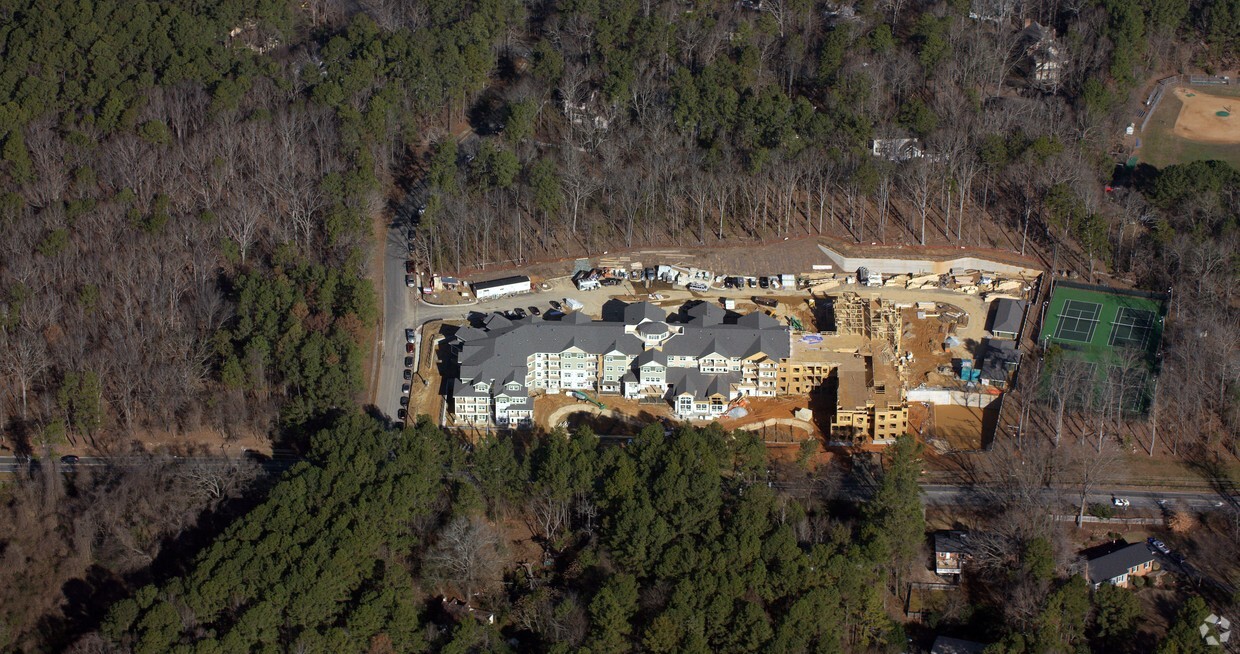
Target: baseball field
{"type": "Point", "coordinates": [1193, 123]}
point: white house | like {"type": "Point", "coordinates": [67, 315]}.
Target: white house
{"type": "Point", "coordinates": [897, 149]}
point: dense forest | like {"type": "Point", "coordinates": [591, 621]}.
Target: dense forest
{"type": "Point", "coordinates": [672, 544]}
{"type": "Point", "coordinates": [191, 193]}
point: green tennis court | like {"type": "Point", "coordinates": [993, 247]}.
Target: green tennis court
{"type": "Point", "coordinates": [1097, 326]}
{"type": "Point", "coordinates": [1093, 320]}
{"type": "Point", "coordinates": [1077, 321]}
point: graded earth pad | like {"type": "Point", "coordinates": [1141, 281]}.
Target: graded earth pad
{"type": "Point", "coordinates": [1207, 118]}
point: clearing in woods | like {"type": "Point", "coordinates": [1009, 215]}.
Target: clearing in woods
{"type": "Point", "coordinates": [1194, 124]}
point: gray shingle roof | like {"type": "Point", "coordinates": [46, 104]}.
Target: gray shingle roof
{"type": "Point", "coordinates": [654, 327]}
{"type": "Point", "coordinates": [501, 353]}
{"type": "Point", "coordinates": [466, 334]}
{"type": "Point", "coordinates": [651, 356]}
{"type": "Point", "coordinates": [462, 389]}
{"type": "Point", "coordinates": [639, 311]}
{"type": "Point", "coordinates": [700, 385]}
{"type": "Point", "coordinates": [496, 321]}
{"type": "Point", "coordinates": [1008, 313]}
{"type": "Point", "coordinates": [731, 341]}
{"type": "Point", "coordinates": [1118, 562]}
{"type": "Point", "coordinates": [951, 541]}
{"type": "Point", "coordinates": [757, 320]}
{"type": "Point", "coordinates": [705, 314]}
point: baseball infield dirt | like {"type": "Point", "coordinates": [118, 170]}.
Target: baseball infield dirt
{"type": "Point", "coordinates": [1207, 118]}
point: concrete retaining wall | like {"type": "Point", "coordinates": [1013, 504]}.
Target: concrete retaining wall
{"type": "Point", "coordinates": [889, 266]}
{"type": "Point", "coordinates": [948, 396]}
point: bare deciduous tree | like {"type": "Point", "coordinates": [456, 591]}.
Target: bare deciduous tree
{"type": "Point", "coordinates": [467, 554]}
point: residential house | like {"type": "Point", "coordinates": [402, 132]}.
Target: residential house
{"type": "Point", "coordinates": [1040, 56]}
{"type": "Point", "coordinates": [1116, 568]}
{"type": "Point", "coordinates": [950, 550]}
{"type": "Point", "coordinates": [1007, 318]}
{"type": "Point", "coordinates": [897, 149]}
{"type": "Point", "coordinates": [1000, 360]}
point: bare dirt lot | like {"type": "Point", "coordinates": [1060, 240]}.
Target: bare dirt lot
{"type": "Point", "coordinates": [1207, 118]}
{"type": "Point", "coordinates": [960, 426]}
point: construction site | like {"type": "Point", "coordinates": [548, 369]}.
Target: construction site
{"type": "Point", "coordinates": [874, 352]}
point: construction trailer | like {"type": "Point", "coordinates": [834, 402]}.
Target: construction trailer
{"type": "Point", "coordinates": [500, 287]}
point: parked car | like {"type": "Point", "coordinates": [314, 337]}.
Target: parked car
{"type": "Point", "coordinates": [555, 305]}
{"type": "Point", "coordinates": [635, 276]}
{"type": "Point", "coordinates": [410, 281]}
{"type": "Point", "coordinates": [404, 400]}
{"type": "Point", "coordinates": [408, 374]}
{"type": "Point", "coordinates": [401, 414]}
{"type": "Point", "coordinates": [411, 335]}
{"type": "Point", "coordinates": [1159, 545]}
{"type": "Point", "coordinates": [409, 267]}
{"type": "Point", "coordinates": [69, 459]}
{"type": "Point", "coordinates": [1121, 502]}
{"type": "Point", "coordinates": [764, 282]}
{"type": "Point", "coordinates": [409, 348]}
{"type": "Point", "coordinates": [753, 282]}
{"type": "Point", "coordinates": [650, 274]}
{"type": "Point", "coordinates": [408, 362]}
{"type": "Point", "coordinates": [534, 311]}
{"type": "Point", "coordinates": [404, 389]}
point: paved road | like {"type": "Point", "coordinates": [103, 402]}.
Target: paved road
{"type": "Point", "coordinates": [1140, 502]}
{"type": "Point", "coordinates": [396, 306]}
{"type": "Point", "coordinates": [402, 309]}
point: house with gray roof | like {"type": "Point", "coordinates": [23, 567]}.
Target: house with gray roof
{"type": "Point", "coordinates": [1117, 567]}
{"type": "Point", "coordinates": [699, 364]}
{"type": "Point", "coordinates": [1008, 314]}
